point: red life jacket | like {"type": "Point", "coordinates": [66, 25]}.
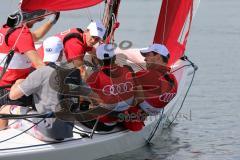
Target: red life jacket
{"type": "Point", "coordinates": [159, 89]}
{"type": "Point", "coordinates": [19, 66]}
{"type": "Point", "coordinates": [67, 35]}
{"type": "Point", "coordinates": [116, 89]}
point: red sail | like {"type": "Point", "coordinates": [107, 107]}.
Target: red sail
{"type": "Point", "coordinates": [57, 5]}
{"type": "Point", "coordinates": [173, 26]}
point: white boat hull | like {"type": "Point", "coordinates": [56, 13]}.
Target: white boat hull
{"type": "Point", "coordinates": [25, 147]}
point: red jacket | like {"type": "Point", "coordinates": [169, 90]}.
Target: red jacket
{"type": "Point", "coordinates": [116, 90]}
{"type": "Point", "coordinates": [74, 42]}
{"type": "Point", "coordinates": [159, 88]}
{"type": "Point", "coordinates": [20, 65]}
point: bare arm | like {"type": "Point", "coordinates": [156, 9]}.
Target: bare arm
{"type": "Point", "coordinates": [79, 64]}
{"type": "Point", "coordinates": [34, 58]}
{"type": "Point", "coordinates": [41, 31]}
{"type": "Point", "coordinates": [16, 92]}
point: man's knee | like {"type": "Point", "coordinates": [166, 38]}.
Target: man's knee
{"type": "Point", "coordinates": [5, 109]}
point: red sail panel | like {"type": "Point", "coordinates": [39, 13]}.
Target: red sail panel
{"type": "Point", "coordinates": [172, 18]}
{"type": "Point", "coordinates": [57, 5]}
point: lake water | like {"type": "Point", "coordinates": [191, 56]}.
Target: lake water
{"type": "Point", "coordinates": [213, 133]}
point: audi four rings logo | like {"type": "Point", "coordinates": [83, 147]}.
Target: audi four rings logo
{"type": "Point", "coordinates": [166, 97]}
{"type": "Point", "coordinates": [117, 89]}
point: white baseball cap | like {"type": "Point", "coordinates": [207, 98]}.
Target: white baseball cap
{"type": "Point", "coordinates": [52, 48]}
{"type": "Point", "coordinates": [96, 28]}
{"type": "Point", "coordinates": [105, 51]}
{"type": "Point", "coordinates": [158, 48]}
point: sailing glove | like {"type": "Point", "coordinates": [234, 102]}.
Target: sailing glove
{"type": "Point", "coordinates": [54, 18]}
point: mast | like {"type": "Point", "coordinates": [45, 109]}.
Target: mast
{"type": "Point", "coordinates": [110, 19]}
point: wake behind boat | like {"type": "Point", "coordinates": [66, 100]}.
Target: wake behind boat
{"type": "Point", "coordinates": [172, 29]}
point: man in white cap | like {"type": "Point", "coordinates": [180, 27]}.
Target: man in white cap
{"type": "Point", "coordinates": [38, 84]}
{"type": "Point", "coordinates": [158, 85]}
{"type": "Point", "coordinates": [115, 87]}
{"type": "Point", "coordinates": [53, 49]}
{"type": "Point", "coordinates": [77, 42]}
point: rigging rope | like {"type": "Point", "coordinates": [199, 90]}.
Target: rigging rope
{"type": "Point", "coordinates": [155, 127]}
{"type": "Point", "coordinates": [89, 15]}
{"type": "Point", "coordinates": [110, 19]}
{"type": "Point", "coordinates": [165, 20]}
{"type": "Point", "coordinates": [10, 55]}
{"type": "Point", "coordinates": [22, 116]}
{"type": "Point", "coordinates": [194, 71]}
{"type": "Point", "coordinates": [160, 118]}
{"type": "Point", "coordinates": [3, 96]}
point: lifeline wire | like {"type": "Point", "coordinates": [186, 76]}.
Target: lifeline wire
{"type": "Point", "coordinates": [183, 98]}
{"type": "Point", "coordinates": [156, 127]}
{"type": "Point", "coordinates": [160, 119]}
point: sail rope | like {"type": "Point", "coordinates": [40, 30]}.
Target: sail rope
{"type": "Point", "coordinates": [165, 21]}
{"type": "Point", "coordinates": [22, 116]}
{"type": "Point", "coordinates": [3, 96]}
{"type": "Point", "coordinates": [110, 19]}
{"type": "Point", "coordinates": [15, 43]}
{"type": "Point", "coordinates": [89, 15]}
{"type": "Point", "coordinates": [10, 55]}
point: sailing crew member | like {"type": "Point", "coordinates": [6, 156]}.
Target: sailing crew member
{"type": "Point", "coordinates": [21, 40]}
{"type": "Point", "coordinates": [158, 85]}
{"type": "Point", "coordinates": [38, 84]}
{"type": "Point", "coordinates": [77, 42]}
{"type": "Point", "coordinates": [115, 87]}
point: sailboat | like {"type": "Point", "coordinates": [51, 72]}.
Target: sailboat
{"type": "Point", "coordinates": [172, 29]}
